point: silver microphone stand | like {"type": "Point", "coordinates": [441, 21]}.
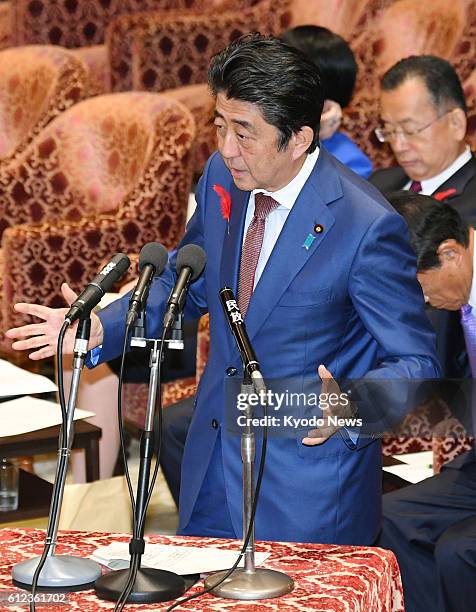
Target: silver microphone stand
{"type": "Point", "coordinates": [62, 572]}
{"type": "Point", "coordinates": [249, 582]}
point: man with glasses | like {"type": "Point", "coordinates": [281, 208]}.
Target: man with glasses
{"type": "Point", "coordinates": [423, 119]}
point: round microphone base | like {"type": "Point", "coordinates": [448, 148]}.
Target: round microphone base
{"type": "Point", "coordinates": [259, 584]}
{"type": "Point", "coordinates": [150, 586]}
{"type": "Point", "coordinates": [61, 573]}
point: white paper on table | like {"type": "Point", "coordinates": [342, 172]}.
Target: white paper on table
{"type": "Point", "coordinates": [421, 459]}
{"type": "Point", "coordinates": [181, 560]}
{"type": "Point", "coordinates": [16, 381]}
{"type": "Point", "coordinates": [26, 414]}
{"type": "Point", "coordinates": [410, 473]}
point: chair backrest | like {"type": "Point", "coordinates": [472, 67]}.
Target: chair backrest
{"type": "Point", "coordinates": [463, 56]}
{"type": "Point", "coordinates": [37, 83]}
{"type": "Point", "coordinates": [469, 87]}
{"type": "Point", "coordinates": [75, 23]}
{"type": "Point", "coordinates": [345, 17]}
{"type": "Point", "coordinates": [407, 27]}
{"type": "Point", "coordinates": [107, 154]}
{"type": "Point", "coordinates": [166, 49]}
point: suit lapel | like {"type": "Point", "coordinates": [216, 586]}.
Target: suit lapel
{"type": "Point", "coordinates": [231, 253]}
{"type": "Point", "coordinates": [289, 255]}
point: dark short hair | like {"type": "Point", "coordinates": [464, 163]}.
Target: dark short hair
{"type": "Point", "coordinates": [331, 54]}
{"type": "Point", "coordinates": [430, 223]}
{"type": "Point", "coordinates": [437, 74]}
{"type": "Point", "coordinates": [280, 80]}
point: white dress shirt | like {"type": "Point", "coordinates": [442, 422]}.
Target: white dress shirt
{"type": "Point", "coordinates": [429, 186]}
{"type": "Point", "coordinates": [286, 196]}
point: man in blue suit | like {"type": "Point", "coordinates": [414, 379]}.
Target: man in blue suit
{"type": "Point", "coordinates": [324, 272]}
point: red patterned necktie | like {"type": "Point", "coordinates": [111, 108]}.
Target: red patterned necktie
{"type": "Point", "coordinates": [415, 186]}
{"type": "Point", "coordinates": [252, 247]}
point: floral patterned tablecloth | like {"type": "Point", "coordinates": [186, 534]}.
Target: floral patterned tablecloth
{"type": "Point", "coordinates": [327, 577]}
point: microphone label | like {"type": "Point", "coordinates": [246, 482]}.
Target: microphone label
{"type": "Point", "coordinates": [234, 311]}
{"type": "Point", "coordinates": [108, 268]}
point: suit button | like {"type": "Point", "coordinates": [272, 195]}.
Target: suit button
{"type": "Point", "coordinates": [215, 424]}
{"type": "Point", "coordinates": [231, 371]}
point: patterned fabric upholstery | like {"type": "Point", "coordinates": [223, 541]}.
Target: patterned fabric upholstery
{"type": "Point", "coordinates": [135, 394]}
{"type": "Point", "coordinates": [463, 56]}
{"type": "Point", "coordinates": [5, 25]}
{"type": "Point", "coordinates": [416, 431]}
{"type": "Point", "coordinates": [200, 102]}
{"type": "Point", "coordinates": [96, 59]}
{"type": "Point", "coordinates": [111, 174]}
{"type": "Point", "coordinates": [37, 83]}
{"type": "Point", "coordinates": [79, 23]}
{"type": "Point", "coordinates": [469, 87]}
{"type": "Point", "coordinates": [431, 427]}
{"type": "Point", "coordinates": [404, 28]}
{"type": "Point", "coordinates": [171, 50]}
{"type": "Point", "coordinates": [126, 29]}
{"type": "Point", "coordinates": [91, 158]}
{"type": "Point", "coordinates": [345, 17]}
{"type": "Point", "coordinates": [449, 440]}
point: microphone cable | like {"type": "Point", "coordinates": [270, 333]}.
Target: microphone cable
{"type": "Point", "coordinates": [63, 457]}
{"type": "Point", "coordinates": [257, 490]}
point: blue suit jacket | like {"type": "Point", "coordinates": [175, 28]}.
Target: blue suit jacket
{"type": "Point", "coordinates": [351, 302]}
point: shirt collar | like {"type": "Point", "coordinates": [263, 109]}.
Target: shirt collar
{"type": "Point", "coordinates": [429, 186]}
{"type": "Point", "coordinates": [287, 195]}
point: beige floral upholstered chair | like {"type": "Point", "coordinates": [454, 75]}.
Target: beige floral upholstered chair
{"type": "Point", "coordinates": [110, 174]}
{"type": "Point", "coordinates": [37, 83]}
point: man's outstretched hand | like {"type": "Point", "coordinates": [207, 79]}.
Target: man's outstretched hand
{"type": "Point", "coordinates": [43, 337]}
{"type": "Point", "coordinates": [344, 409]}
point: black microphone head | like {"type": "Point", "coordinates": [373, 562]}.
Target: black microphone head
{"type": "Point", "coordinates": [153, 254]}
{"type": "Point", "coordinates": [191, 256]}
{"type": "Point", "coordinates": [113, 271]}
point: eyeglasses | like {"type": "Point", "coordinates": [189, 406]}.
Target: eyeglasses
{"type": "Point", "coordinates": [387, 135]}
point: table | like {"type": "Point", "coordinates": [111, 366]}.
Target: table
{"type": "Point", "coordinates": [328, 577]}
{"type": "Point", "coordinates": [86, 436]}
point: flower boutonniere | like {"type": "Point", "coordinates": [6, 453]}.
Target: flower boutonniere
{"type": "Point", "coordinates": [225, 203]}
{"type": "Point", "coordinates": [442, 195]}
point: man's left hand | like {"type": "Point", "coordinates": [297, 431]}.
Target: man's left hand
{"type": "Point", "coordinates": [342, 409]}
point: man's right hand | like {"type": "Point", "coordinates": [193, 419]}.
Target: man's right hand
{"type": "Point", "coordinates": [43, 337]}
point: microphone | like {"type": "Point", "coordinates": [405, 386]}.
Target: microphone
{"type": "Point", "coordinates": [191, 260]}
{"type": "Point", "coordinates": [152, 261]}
{"type": "Point", "coordinates": [238, 329]}
{"type": "Point", "coordinates": [91, 296]}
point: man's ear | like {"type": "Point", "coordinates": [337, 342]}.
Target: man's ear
{"type": "Point", "coordinates": [458, 123]}
{"type": "Point", "coordinates": [302, 141]}
{"type": "Point", "coordinates": [451, 252]}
